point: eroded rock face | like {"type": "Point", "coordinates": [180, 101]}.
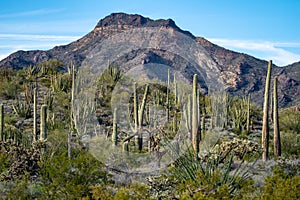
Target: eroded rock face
{"type": "Point", "coordinates": [240, 74]}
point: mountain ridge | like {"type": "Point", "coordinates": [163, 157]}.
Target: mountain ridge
{"type": "Point", "coordinates": [241, 73]}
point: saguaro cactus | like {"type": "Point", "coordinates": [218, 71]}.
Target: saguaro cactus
{"type": "Point", "coordinates": [43, 127]}
{"type": "Point", "coordinates": [139, 116]}
{"type": "Point", "coordinates": [248, 113]}
{"type": "Point", "coordinates": [135, 113]}
{"type": "Point", "coordinates": [265, 128]}
{"type": "Point", "coordinates": [277, 145]}
{"type": "Point", "coordinates": [114, 137]}
{"type": "Point", "coordinates": [135, 107]}
{"type": "Point", "coordinates": [142, 110]}
{"type": "Point", "coordinates": [2, 122]}
{"type": "Point", "coordinates": [195, 130]}
{"type": "Point", "coordinates": [34, 114]}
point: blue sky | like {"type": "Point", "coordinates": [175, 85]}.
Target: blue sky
{"type": "Point", "coordinates": [265, 29]}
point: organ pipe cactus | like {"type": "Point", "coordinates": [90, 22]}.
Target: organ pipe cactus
{"type": "Point", "coordinates": [265, 128]}
{"type": "Point", "coordinates": [277, 145]}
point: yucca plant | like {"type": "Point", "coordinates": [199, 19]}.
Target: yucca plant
{"type": "Point", "coordinates": [210, 172]}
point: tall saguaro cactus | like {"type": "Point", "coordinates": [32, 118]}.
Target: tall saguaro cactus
{"type": "Point", "coordinates": [168, 98]}
{"type": "Point", "coordinates": [43, 125]}
{"type": "Point", "coordinates": [34, 114]}
{"type": "Point", "coordinates": [277, 145]}
{"type": "Point", "coordinates": [135, 106]}
{"type": "Point", "coordinates": [114, 137]}
{"type": "Point", "coordinates": [265, 128]}
{"type": "Point", "coordinates": [138, 115]}
{"type": "Point", "coordinates": [142, 109]}
{"type": "Point", "coordinates": [195, 121]}
{"type": "Point", "coordinates": [248, 113]}
{"type": "Point", "coordinates": [1, 122]}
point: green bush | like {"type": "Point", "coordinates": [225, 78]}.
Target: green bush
{"type": "Point", "coordinates": [281, 185]}
{"type": "Point", "coordinates": [290, 121]}
{"type": "Point", "coordinates": [9, 89]}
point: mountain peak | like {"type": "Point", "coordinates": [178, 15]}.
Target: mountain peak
{"type": "Point", "coordinates": [134, 20]}
{"type": "Point", "coordinates": [241, 74]}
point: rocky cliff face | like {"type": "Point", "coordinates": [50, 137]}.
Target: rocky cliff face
{"type": "Point", "coordinates": [240, 74]}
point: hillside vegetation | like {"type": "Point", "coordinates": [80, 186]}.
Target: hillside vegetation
{"type": "Point", "coordinates": [217, 149]}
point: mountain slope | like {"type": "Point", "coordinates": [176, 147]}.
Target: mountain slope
{"type": "Point", "coordinates": [240, 73]}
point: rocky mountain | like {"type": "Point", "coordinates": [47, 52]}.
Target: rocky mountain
{"type": "Point", "coordinates": [239, 74]}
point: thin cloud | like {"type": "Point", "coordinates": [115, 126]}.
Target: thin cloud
{"type": "Point", "coordinates": [31, 13]}
{"type": "Point", "coordinates": [38, 37]}
{"type": "Point", "coordinates": [11, 43]}
{"type": "Point", "coordinates": [264, 50]}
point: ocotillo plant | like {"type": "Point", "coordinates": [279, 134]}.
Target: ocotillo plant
{"type": "Point", "coordinates": [114, 137]}
{"type": "Point", "coordinates": [1, 122]}
{"type": "Point", "coordinates": [277, 145]}
{"type": "Point", "coordinates": [34, 114]}
{"type": "Point", "coordinates": [195, 130]}
{"type": "Point", "coordinates": [265, 128]}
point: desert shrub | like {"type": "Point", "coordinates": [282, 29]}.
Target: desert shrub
{"type": "Point", "coordinates": [7, 74]}
{"type": "Point", "coordinates": [9, 89]}
{"type": "Point", "coordinates": [45, 82]}
{"type": "Point", "coordinates": [281, 185]}
{"type": "Point", "coordinates": [239, 147]}
{"type": "Point", "coordinates": [290, 121]}
{"type": "Point", "coordinates": [71, 179]}
{"type": "Point", "coordinates": [51, 67]}
{"type": "Point", "coordinates": [19, 161]}
{"type": "Point", "coordinates": [290, 143]}
{"type": "Point", "coordinates": [133, 191]}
